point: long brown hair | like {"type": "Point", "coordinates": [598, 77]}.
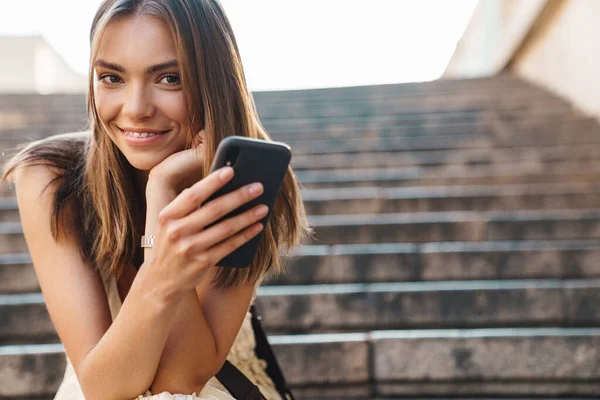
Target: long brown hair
{"type": "Point", "coordinates": [96, 180]}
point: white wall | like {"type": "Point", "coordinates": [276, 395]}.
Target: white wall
{"type": "Point", "coordinates": [565, 55]}
{"type": "Point", "coordinates": [496, 29]}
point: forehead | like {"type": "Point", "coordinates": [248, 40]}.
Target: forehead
{"type": "Point", "coordinates": [137, 41]}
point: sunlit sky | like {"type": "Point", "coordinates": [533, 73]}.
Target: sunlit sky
{"type": "Point", "coordinates": [289, 44]}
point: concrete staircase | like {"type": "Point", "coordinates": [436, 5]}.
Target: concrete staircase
{"type": "Point", "coordinates": [457, 249]}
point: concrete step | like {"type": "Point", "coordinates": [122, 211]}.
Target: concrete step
{"type": "Point", "coordinates": [9, 211]}
{"type": "Point", "coordinates": [504, 362]}
{"type": "Point", "coordinates": [397, 262]}
{"type": "Point", "coordinates": [502, 174]}
{"type": "Point", "coordinates": [25, 319]}
{"type": "Point", "coordinates": [419, 227]}
{"type": "Point", "coordinates": [428, 305]}
{"type": "Point", "coordinates": [368, 306]}
{"type": "Point", "coordinates": [446, 142]}
{"type": "Point", "coordinates": [376, 144]}
{"type": "Point", "coordinates": [291, 108]}
{"type": "Point", "coordinates": [11, 238]}
{"type": "Point", "coordinates": [367, 200]}
{"type": "Point", "coordinates": [509, 83]}
{"type": "Point", "coordinates": [430, 158]}
{"type": "Point", "coordinates": [455, 226]}
{"type": "Point", "coordinates": [511, 363]}
{"type": "Point", "coordinates": [17, 274]}
{"type": "Point", "coordinates": [364, 112]}
{"type": "Point", "coordinates": [421, 123]}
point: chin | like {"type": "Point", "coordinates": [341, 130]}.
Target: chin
{"type": "Point", "coordinates": [144, 163]}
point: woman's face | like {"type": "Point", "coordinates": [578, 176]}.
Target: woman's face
{"type": "Point", "coordinates": [137, 89]}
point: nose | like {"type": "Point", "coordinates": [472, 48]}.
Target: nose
{"type": "Point", "coordinates": [138, 103]}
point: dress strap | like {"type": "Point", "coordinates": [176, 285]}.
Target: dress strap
{"type": "Point", "coordinates": [264, 351]}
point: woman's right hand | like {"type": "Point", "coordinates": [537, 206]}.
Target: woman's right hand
{"type": "Point", "coordinates": [184, 248]}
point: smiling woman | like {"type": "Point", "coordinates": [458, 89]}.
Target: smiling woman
{"type": "Point", "coordinates": [137, 81]}
{"type": "Point", "coordinates": [166, 87]}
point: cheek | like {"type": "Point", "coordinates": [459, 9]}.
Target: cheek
{"type": "Point", "coordinates": [172, 106]}
{"type": "Point", "coordinates": [107, 104]}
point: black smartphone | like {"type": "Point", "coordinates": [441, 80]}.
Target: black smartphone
{"type": "Point", "coordinates": [252, 160]}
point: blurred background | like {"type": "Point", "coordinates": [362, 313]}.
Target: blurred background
{"type": "Point", "coordinates": [449, 155]}
{"type": "Point", "coordinates": [284, 44]}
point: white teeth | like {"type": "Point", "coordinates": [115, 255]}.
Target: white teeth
{"type": "Point", "coordinates": [140, 135]}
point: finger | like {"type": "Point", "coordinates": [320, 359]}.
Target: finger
{"type": "Point", "coordinates": [231, 226]}
{"type": "Point", "coordinates": [223, 205]}
{"type": "Point", "coordinates": [216, 209]}
{"type": "Point", "coordinates": [227, 247]}
{"type": "Point", "coordinates": [183, 164]}
{"type": "Point", "coordinates": [198, 139]}
{"type": "Point", "coordinates": [187, 162]}
{"type": "Point", "coordinates": [190, 198]}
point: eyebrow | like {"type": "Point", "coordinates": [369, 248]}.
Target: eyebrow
{"type": "Point", "coordinates": [149, 71]}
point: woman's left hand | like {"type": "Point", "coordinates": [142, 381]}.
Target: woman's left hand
{"type": "Point", "coordinates": [180, 170]}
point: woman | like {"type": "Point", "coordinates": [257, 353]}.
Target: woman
{"type": "Point", "coordinates": [166, 85]}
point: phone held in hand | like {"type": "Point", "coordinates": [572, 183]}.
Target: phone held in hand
{"type": "Point", "coordinates": [252, 160]}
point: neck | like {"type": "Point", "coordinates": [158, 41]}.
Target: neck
{"type": "Point", "coordinates": [141, 180]}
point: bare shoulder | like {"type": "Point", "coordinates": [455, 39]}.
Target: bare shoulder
{"type": "Point", "coordinates": [30, 181]}
{"type": "Point", "coordinates": [73, 291]}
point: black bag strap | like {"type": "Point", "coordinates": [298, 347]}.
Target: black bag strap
{"type": "Point", "coordinates": [264, 351]}
{"type": "Point", "coordinates": [237, 383]}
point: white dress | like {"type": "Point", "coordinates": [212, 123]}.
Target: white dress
{"type": "Point", "coordinates": [241, 355]}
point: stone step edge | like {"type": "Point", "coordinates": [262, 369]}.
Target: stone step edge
{"type": "Point", "coordinates": [14, 227]}
{"type": "Point", "coordinates": [404, 248]}
{"type": "Point", "coordinates": [365, 337]}
{"type": "Point", "coordinates": [378, 287]}
{"type": "Point", "coordinates": [420, 192]}
{"type": "Point", "coordinates": [457, 169]}
{"type": "Point", "coordinates": [442, 216]}
{"type": "Point", "coordinates": [441, 191]}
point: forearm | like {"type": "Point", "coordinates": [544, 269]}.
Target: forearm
{"type": "Point", "coordinates": [124, 362]}
{"type": "Point", "coordinates": [188, 360]}
{"type": "Point", "coordinates": [197, 351]}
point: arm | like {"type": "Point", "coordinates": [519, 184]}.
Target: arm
{"type": "Point", "coordinates": [200, 338]}
{"type": "Point", "coordinates": [204, 328]}
{"type": "Point", "coordinates": [117, 361]}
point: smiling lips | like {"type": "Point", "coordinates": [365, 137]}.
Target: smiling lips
{"type": "Point", "coordinates": [142, 137]}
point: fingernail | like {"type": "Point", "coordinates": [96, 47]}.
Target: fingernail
{"type": "Point", "coordinates": [255, 188]}
{"type": "Point", "coordinates": [258, 228]}
{"type": "Point", "coordinates": [262, 211]}
{"type": "Point", "coordinates": [226, 173]}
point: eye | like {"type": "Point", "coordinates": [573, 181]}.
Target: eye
{"type": "Point", "coordinates": [112, 79]}
{"type": "Point", "coordinates": [171, 79]}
